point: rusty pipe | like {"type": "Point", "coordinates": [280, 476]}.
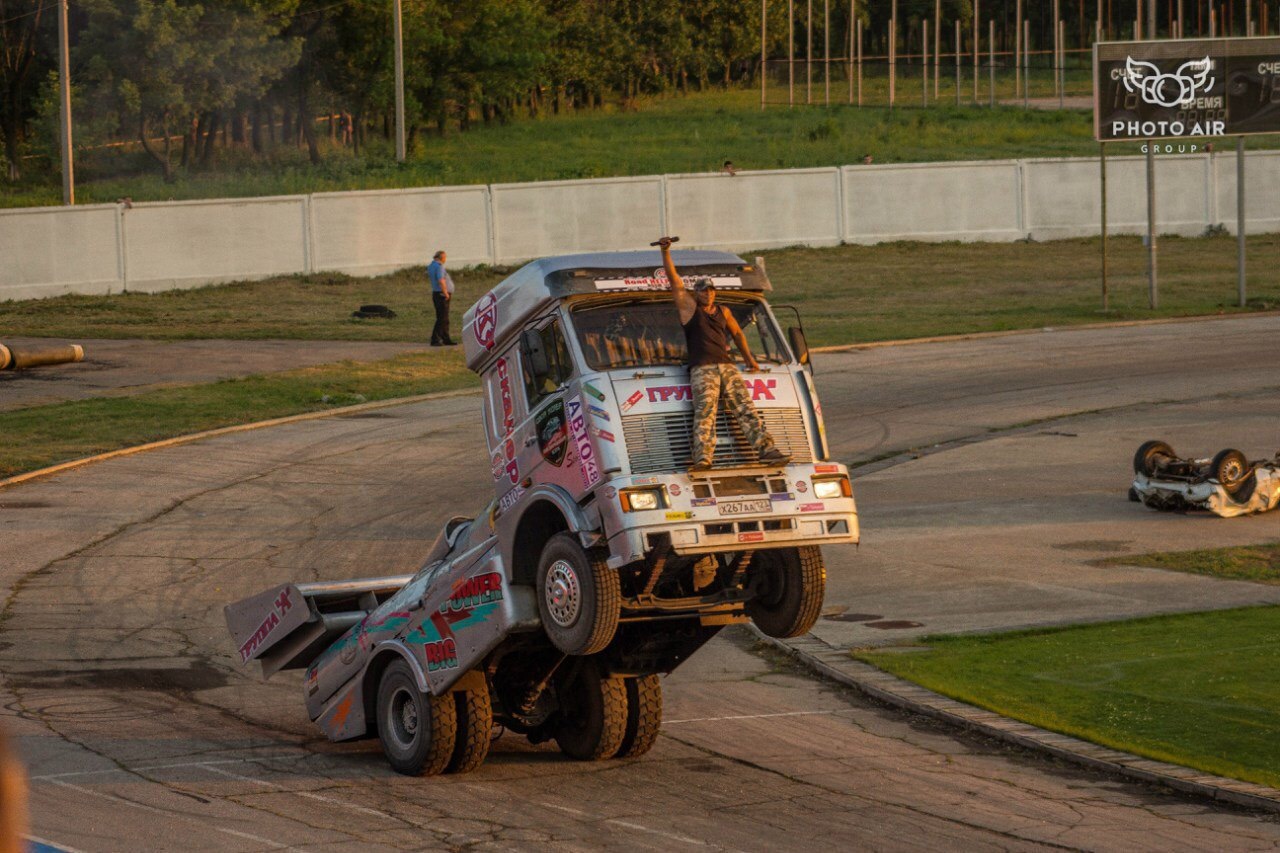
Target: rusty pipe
{"type": "Point", "coordinates": [20, 358]}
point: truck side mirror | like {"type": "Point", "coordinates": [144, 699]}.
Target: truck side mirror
{"type": "Point", "coordinates": [798, 344]}
{"type": "Point", "coordinates": [531, 343]}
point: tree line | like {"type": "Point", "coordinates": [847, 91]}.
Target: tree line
{"type": "Point", "coordinates": [182, 80]}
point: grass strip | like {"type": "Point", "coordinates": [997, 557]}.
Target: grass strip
{"type": "Point", "coordinates": [1257, 563]}
{"type": "Point", "coordinates": [46, 435]}
{"type": "Point", "coordinates": [1200, 689]}
{"type": "Point", "coordinates": [846, 294]}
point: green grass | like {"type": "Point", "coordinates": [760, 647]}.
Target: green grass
{"type": "Point", "coordinates": [45, 435]}
{"type": "Point", "coordinates": [846, 294]}
{"type": "Point", "coordinates": [1258, 563]}
{"type": "Point", "coordinates": [1200, 690]}
{"type": "Point", "coordinates": [693, 133]}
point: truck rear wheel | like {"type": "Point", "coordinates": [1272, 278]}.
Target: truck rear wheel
{"type": "Point", "coordinates": [644, 715]}
{"type": "Point", "coordinates": [475, 729]}
{"type": "Point", "coordinates": [789, 586]}
{"type": "Point", "coordinates": [593, 713]}
{"type": "Point", "coordinates": [417, 729]}
{"type": "Point", "coordinates": [579, 597]}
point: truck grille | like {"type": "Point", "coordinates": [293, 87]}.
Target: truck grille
{"type": "Point", "coordinates": [664, 442]}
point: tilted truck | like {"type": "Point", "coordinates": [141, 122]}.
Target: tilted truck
{"type": "Point", "coordinates": [600, 561]}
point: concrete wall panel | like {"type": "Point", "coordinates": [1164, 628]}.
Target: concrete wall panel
{"type": "Point", "coordinates": [933, 201]}
{"type": "Point", "coordinates": [1261, 191]}
{"type": "Point", "coordinates": [561, 217]}
{"type": "Point", "coordinates": [368, 233]}
{"type": "Point", "coordinates": [755, 210]}
{"type": "Point", "coordinates": [173, 245]}
{"type": "Point", "coordinates": [52, 251]}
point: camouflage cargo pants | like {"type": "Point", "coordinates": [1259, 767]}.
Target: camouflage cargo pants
{"type": "Point", "coordinates": [713, 383]}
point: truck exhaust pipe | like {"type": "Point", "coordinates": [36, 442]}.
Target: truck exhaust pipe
{"type": "Point", "coordinates": [20, 358]}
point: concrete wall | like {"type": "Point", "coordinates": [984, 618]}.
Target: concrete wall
{"type": "Point", "coordinates": [157, 246]}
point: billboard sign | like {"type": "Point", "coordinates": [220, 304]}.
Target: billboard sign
{"type": "Point", "coordinates": [1185, 88]}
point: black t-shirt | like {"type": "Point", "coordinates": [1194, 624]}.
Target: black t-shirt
{"type": "Point", "coordinates": [707, 334]}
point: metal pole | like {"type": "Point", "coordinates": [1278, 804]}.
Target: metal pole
{"type": "Point", "coordinates": [1017, 49]}
{"type": "Point", "coordinates": [808, 55]}
{"type": "Point", "coordinates": [957, 62]}
{"type": "Point", "coordinates": [853, 14]}
{"type": "Point", "coordinates": [991, 48]}
{"type": "Point", "coordinates": [937, 44]}
{"type": "Point", "coordinates": [826, 48]}
{"type": "Point", "coordinates": [64, 108]}
{"type": "Point", "coordinates": [1062, 63]}
{"type": "Point", "coordinates": [859, 62]}
{"type": "Point", "coordinates": [764, 71]}
{"type": "Point", "coordinates": [924, 75]}
{"type": "Point", "coordinates": [1151, 225]}
{"type": "Point", "coordinates": [1102, 160]}
{"type": "Point", "coordinates": [893, 53]}
{"type": "Point", "coordinates": [977, 46]}
{"type": "Point", "coordinates": [1152, 31]}
{"type": "Point", "coordinates": [1057, 46]}
{"type": "Point", "coordinates": [791, 53]}
{"type": "Point", "coordinates": [1240, 227]}
{"type": "Point", "coordinates": [1181, 32]}
{"type": "Point", "coordinates": [399, 37]}
{"type": "Point", "coordinates": [1026, 61]}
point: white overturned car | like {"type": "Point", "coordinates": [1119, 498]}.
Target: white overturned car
{"type": "Point", "coordinates": [1227, 484]}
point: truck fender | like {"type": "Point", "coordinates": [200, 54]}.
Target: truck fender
{"type": "Point", "coordinates": [583, 522]}
{"type": "Point", "coordinates": [398, 646]}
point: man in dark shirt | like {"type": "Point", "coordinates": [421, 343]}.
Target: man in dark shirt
{"type": "Point", "coordinates": [712, 372]}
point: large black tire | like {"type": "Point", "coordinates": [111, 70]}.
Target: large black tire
{"type": "Point", "coordinates": [417, 729]}
{"type": "Point", "coordinates": [592, 721]}
{"type": "Point", "coordinates": [579, 597]}
{"type": "Point", "coordinates": [644, 715]}
{"type": "Point", "coordinates": [789, 586]}
{"type": "Point", "coordinates": [1231, 469]}
{"type": "Point", "coordinates": [475, 730]}
{"type": "Point", "coordinates": [1144, 461]}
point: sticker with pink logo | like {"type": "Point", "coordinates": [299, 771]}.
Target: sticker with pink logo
{"type": "Point", "coordinates": [485, 323]}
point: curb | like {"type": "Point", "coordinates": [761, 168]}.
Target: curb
{"type": "Point", "coordinates": [881, 686]}
{"type": "Point", "coordinates": [213, 433]}
{"type": "Point", "coordinates": [1006, 333]}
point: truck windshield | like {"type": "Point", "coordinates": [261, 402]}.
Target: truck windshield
{"type": "Point", "coordinates": [641, 333]}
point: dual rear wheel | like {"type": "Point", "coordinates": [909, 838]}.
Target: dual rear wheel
{"type": "Point", "coordinates": [425, 735]}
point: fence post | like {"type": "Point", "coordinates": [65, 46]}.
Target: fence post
{"type": "Point", "coordinates": [957, 62]}
{"type": "Point", "coordinates": [991, 48]}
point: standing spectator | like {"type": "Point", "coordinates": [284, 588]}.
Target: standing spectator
{"type": "Point", "coordinates": [441, 293]}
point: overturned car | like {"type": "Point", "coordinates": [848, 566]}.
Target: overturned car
{"type": "Point", "coordinates": [1227, 484]}
{"type": "Point", "coordinates": [600, 562]}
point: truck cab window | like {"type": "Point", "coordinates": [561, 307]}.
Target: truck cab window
{"type": "Point", "coordinates": [546, 372]}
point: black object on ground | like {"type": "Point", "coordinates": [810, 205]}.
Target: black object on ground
{"type": "Point", "coordinates": [371, 312]}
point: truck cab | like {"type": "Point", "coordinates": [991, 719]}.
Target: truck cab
{"type": "Point", "coordinates": [588, 420]}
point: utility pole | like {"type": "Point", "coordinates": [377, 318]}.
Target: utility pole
{"type": "Point", "coordinates": [399, 36]}
{"type": "Point", "coordinates": [64, 108]}
{"type": "Point", "coordinates": [1151, 19]}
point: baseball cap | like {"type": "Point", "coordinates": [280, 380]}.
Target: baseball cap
{"type": "Point", "coordinates": [704, 284]}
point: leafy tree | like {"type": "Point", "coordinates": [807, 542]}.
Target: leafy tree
{"type": "Point", "coordinates": [21, 63]}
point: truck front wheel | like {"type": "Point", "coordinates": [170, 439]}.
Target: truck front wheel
{"type": "Point", "coordinates": [579, 597]}
{"type": "Point", "coordinates": [789, 584]}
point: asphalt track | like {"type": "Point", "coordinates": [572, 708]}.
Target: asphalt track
{"type": "Point", "coordinates": [998, 480]}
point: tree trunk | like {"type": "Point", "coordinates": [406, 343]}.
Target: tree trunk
{"type": "Point", "coordinates": [189, 143]}
{"type": "Point", "coordinates": [165, 167]}
{"type": "Point", "coordinates": [12, 127]}
{"type": "Point", "coordinates": [255, 128]}
{"type": "Point", "coordinates": [215, 122]}
{"type": "Point", "coordinates": [307, 124]}
{"type": "Point", "coordinates": [286, 125]}
{"type": "Point", "coordinates": [237, 128]}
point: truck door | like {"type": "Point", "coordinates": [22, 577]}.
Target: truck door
{"type": "Point", "coordinates": [503, 411]}
{"type": "Point", "coordinates": [547, 454]}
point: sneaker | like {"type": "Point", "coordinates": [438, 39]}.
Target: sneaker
{"type": "Point", "coordinates": [700, 465]}
{"type": "Point", "coordinates": [774, 456]}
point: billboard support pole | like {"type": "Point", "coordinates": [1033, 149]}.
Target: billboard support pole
{"type": "Point", "coordinates": [1102, 160]}
{"type": "Point", "coordinates": [1240, 288]}
{"type": "Point", "coordinates": [1152, 292]}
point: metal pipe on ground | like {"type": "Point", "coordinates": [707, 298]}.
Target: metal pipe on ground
{"type": "Point", "coordinates": [20, 358]}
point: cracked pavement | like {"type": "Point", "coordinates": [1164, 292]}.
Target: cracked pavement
{"type": "Point", "coordinates": [140, 731]}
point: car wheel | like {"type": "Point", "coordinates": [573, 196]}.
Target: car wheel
{"type": "Point", "coordinates": [475, 729]}
{"type": "Point", "coordinates": [592, 721]}
{"type": "Point", "coordinates": [417, 729]}
{"type": "Point", "coordinates": [579, 597]}
{"type": "Point", "coordinates": [1149, 456]}
{"type": "Point", "coordinates": [1231, 469]}
{"type": "Point", "coordinates": [789, 585]}
{"type": "Point", "coordinates": [644, 715]}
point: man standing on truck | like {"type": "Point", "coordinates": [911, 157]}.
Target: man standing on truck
{"type": "Point", "coordinates": [712, 372]}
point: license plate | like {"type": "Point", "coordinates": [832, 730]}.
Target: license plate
{"type": "Point", "coordinates": [743, 507]}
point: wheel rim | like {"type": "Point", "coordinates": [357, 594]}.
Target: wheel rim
{"type": "Point", "coordinates": [563, 594]}
{"type": "Point", "coordinates": [1231, 471]}
{"type": "Point", "coordinates": [402, 717]}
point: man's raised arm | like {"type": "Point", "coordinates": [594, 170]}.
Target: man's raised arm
{"type": "Point", "coordinates": [679, 293]}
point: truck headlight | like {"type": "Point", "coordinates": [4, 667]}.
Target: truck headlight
{"type": "Point", "coordinates": [639, 500]}
{"type": "Point", "coordinates": [831, 488]}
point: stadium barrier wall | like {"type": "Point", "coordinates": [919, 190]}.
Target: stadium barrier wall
{"type": "Point", "coordinates": [101, 249]}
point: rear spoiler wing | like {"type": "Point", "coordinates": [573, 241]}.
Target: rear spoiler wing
{"type": "Point", "coordinates": [288, 626]}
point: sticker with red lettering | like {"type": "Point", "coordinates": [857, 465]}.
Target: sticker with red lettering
{"type": "Point", "coordinates": [632, 400]}
{"type": "Point", "coordinates": [602, 434]}
{"type": "Point", "coordinates": [761, 389]}
{"type": "Point", "coordinates": [801, 487]}
{"type": "Point", "coordinates": [826, 469]}
{"type": "Point", "coordinates": [811, 507]}
{"type": "Point", "coordinates": [754, 536]}
{"type": "Point", "coordinates": [587, 463]}
{"type": "Point", "coordinates": [282, 605]}
{"type": "Point", "coordinates": [485, 324]}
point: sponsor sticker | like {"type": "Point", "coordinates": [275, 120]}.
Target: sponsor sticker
{"type": "Point", "coordinates": [313, 680]}
{"type": "Point", "coordinates": [485, 324]}
{"type": "Point", "coordinates": [645, 481]}
{"type": "Point", "coordinates": [679, 515]}
{"type": "Point", "coordinates": [753, 536]}
{"type": "Point", "coordinates": [703, 502]}
{"type": "Point", "coordinates": [282, 605]}
{"type": "Point", "coordinates": [510, 499]}
{"type": "Point", "coordinates": [826, 469]}
{"type": "Point", "coordinates": [782, 496]}
{"type": "Point", "coordinates": [602, 434]}
{"type": "Point", "coordinates": [632, 400]}
{"type": "Point", "coordinates": [598, 412]}
{"type": "Point", "coordinates": [812, 507]}
{"type": "Point", "coordinates": [761, 389]}
{"type": "Point", "coordinates": [659, 281]}
{"type": "Point", "coordinates": [609, 493]}
{"type": "Point", "coordinates": [744, 507]}
{"type": "Point", "coordinates": [593, 391]}
{"type": "Point", "coordinates": [673, 489]}
{"type": "Point", "coordinates": [587, 463]}
{"type": "Point", "coordinates": [553, 433]}
{"type": "Point", "coordinates": [801, 486]}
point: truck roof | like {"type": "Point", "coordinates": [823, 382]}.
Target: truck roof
{"type": "Point", "coordinates": [500, 313]}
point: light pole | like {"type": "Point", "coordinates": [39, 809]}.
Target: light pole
{"type": "Point", "coordinates": [399, 36]}
{"type": "Point", "coordinates": [64, 108]}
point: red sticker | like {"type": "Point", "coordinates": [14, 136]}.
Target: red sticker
{"type": "Point", "coordinates": [485, 323]}
{"type": "Point", "coordinates": [632, 400]}
{"type": "Point", "coordinates": [674, 489]}
{"type": "Point", "coordinates": [812, 507]}
{"type": "Point", "coordinates": [826, 469]}
{"type": "Point", "coordinates": [757, 536]}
